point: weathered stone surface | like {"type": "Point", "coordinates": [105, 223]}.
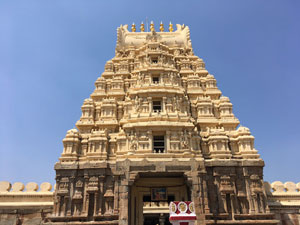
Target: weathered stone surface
{"type": "Point", "coordinates": [17, 187]}
{"type": "Point", "coordinates": [157, 119]}
{"type": "Point", "coordinates": [290, 187]}
{"type": "Point", "coordinates": [31, 186]}
{"type": "Point", "coordinates": [156, 129]}
{"type": "Point", "coordinates": [5, 186]}
{"type": "Point", "coordinates": [44, 187]}
{"type": "Point", "coordinates": [278, 186]}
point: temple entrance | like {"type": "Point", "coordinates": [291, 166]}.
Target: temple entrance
{"type": "Point", "coordinates": [154, 219]}
{"type": "Point", "coordinates": [150, 198]}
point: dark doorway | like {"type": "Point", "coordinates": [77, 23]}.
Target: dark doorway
{"type": "Point", "coordinates": [158, 144]}
{"type": "Point", "coordinates": [156, 105]}
{"type": "Point", "coordinates": [151, 219]}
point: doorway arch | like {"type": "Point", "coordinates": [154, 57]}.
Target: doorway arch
{"type": "Point", "coordinates": [151, 194]}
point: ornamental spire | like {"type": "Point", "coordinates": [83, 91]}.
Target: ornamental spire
{"type": "Point", "coordinates": [133, 28]}
{"type": "Point", "coordinates": [142, 27]}
{"type": "Point", "coordinates": [152, 29]}
{"type": "Point", "coordinates": [171, 27]}
{"type": "Point", "coordinates": [161, 27]}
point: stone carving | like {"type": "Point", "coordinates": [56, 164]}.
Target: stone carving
{"type": "Point", "coordinates": [133, 143]}
{"type": "Point", "coordinates": [157, 113]}
{"type": "Point", "coordinates": [78, 190]}
{"type": "Point", "coordinates": [184, 140]}
{"type": "Point", "coordinates": [63, 187]}
{"type": "Point", "coordinates": [156, 128]}
{"type": "Point", "coordinates": [226, 185]}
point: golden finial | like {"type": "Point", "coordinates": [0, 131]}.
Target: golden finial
{"type": "Point", "coordinates": [171, 27]}
{"type": "Point", "coordinates": [161, 27]}
{"type": "Point", "coordinates": [133, 29]}
{"type": "Point", "coordinates": [152, 26]}
{"type": "Point", "coordinates": [142, 27]}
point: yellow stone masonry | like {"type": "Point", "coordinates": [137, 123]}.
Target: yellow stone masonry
{"type": "Point", "coordinates": [120, 118]}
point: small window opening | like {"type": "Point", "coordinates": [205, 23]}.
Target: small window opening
{"type": "Point", "coordinates": [155, 80]}
{"type": "Point", "coordinates": [154, 60]}
{"type": "Point", "coordinates": [158, 144]}
{"type": "Point", "coordinates": [157, 106]}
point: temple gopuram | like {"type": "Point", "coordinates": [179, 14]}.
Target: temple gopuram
{"type": "Point", "coordinates": [156, 129]}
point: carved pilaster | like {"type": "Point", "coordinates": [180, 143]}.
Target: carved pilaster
{"type": "Point", "coordinates": [116, 197]}
{"type": "Point", "coordinates": [85, 196]}
{"type": "Point", "coordinates": [71, 191]}
{"type": "Point", "coordinates": [96, 203]}
{"type": "Point", "coordinates": [168, 146]}
{"type": "Point", "coordinates": [124, 204]}
{"type": "Point", "coordinates": [101, 193]}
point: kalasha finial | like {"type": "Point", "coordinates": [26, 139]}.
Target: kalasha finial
{"type": "Point", "coordinates": [133, 29]}
{"type": "Point", "coordinates": [171, 27]}
{"type": "Point", "coordinates": [152, 29]}
{"type": "Point", "coordinates": [161, 27]}
{"type": "Point", "coordinates": [142, 27]}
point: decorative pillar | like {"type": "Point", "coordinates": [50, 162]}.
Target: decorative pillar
{"type": "Point", "coordinates": [190, 146]}
{"type": "Point", "coordinates": [57, 205]}
{"type": "Point", "coordinates": [96, 203]}
{"type": "Point", "coordinates": [85, 196]}
{"type": "Point", "coordinates": [255, 203]}
{"type": "Point", "coordinates": [150, 140]}
{"type": "Point", "coordinates": [198, 195]}
{"type": "Point", "coordinates": [249, 196]}
{"type": "Point", "coordinates": [223, 202]}
{"type": "Point", "coordinates": [65, 205]}
{"type": "Point", "coordinates": [264, 199]}
{"type": "Point", "coordinates": [164, 100]}
{"type": "Point", "coordinates": [168, 146]}
{"type": "Point", "coordinates": [71, 192]}
{"type": "Point", "coordinates": [150, 104]}
{"type": "Point", "coordinates": [204, 192]}
{"type": "Point", "coordinates": [232, 206]}
{"type": "Point", "coordinates": [116, 197]}
{"type": "Point", "coordinates": [124, 195]}
{"type": "Point", "coordinates": [101, 193]}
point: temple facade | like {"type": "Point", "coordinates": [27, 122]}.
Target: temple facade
{"type": "Point", "coordinates": [157, 129]}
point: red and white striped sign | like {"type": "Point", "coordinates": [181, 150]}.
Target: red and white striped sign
{"type": "Point", "coordinates": [182, 213]}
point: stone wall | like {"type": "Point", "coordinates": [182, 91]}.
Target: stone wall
{"type": "Point", "coordinates": [284, 201]}
{"type": "Point", "coordinates": [25, 205]}
{"type": "Point", "coordinates": [31, 204]}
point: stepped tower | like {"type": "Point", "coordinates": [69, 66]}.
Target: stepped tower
{"type": "Point", "coordinates": [157, 129]}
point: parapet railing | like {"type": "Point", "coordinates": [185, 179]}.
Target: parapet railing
{"type": "Point", "coordinates": [31, 195]}
{"type": "Point", "coordinates": [283, 195]}
{"type": "Point", "coordinates": [18, 195]}
{"type": "Point", "coordinates": [5, 187]}
{"type": "Point", "coordinates": [279, 188]}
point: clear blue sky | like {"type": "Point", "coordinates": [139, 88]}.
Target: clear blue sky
{"type": "Point", "coordinates": [51, 53]}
